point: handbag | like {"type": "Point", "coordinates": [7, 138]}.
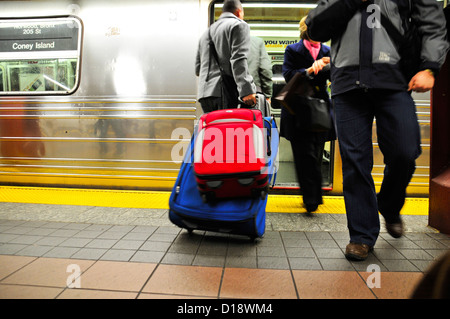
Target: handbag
{"type": "Point", "coordinates": [311, 114]}
{"type": "Point", "coordinates": [230, 95]}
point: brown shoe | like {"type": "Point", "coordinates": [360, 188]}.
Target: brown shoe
{"type": "Point", "coordinates": [357, 252]}
{"type": "Point", "coordinates": [395, 229]}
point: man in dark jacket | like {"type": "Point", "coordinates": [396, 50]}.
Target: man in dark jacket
{"type": "Point", "coordinates": [367, 83]}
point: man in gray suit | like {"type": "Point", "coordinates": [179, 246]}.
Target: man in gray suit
{"type": "Point", "coordinates": [231, 38]}
{"type": "Point", "coordinates": [260, 67]}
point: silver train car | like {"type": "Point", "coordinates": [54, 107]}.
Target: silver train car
{"type": "Point", "coordinates": [102, 94]}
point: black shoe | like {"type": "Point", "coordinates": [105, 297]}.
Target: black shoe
{"type": "Point", "coordinates": [395, 229]}
{"type": "Point", "coordinates": [311, 208]}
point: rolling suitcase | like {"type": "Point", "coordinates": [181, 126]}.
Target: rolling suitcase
{"type": "Point", "coordinates": [242, 216]}
{"type": "Point", "coordinates": [230, 154]}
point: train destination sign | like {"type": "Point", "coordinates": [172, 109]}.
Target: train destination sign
{"type": "Point", "coordinates": [18, 37]}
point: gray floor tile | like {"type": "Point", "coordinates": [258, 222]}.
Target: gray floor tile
{"type": "Point", "coordinates": [318, 235]}
{"type": "Point", "coordinates": [101, 243]}
{"type": "Point", "coordinates": [118, 255]}
{"type": "Point", "coordinates": [329, 253]}
{"type": "Point", "coordinates": [300, 252]}
{"type": "Point", "coordinates": [304, 263]}
{"type": "Point", "coordinates": [144, 229]}
{"type": "Point", "coordinates": [272, 262]}
{"type": "Point", "coordinates": [136, 236]}
{"type": "Point", "coordinates": [26, 239]}
{"type": "Point", "coordinates": [422, 265]}
{"type": "Point", "coordinates": [75, 242]}
{"type": "Point", "coordinates": [323, 243]}
{"type": "Point", "coordinates": [11, 249]}
{"type": "Point", "coordinates": [148, 256]}
{"type": "Point", "coordinates": [41, 231]}
{"type": "Point", "coordinates": [336, 264]}
{"type": "Point", "coordinates": [112, 235]}
{"type": "Point", "coordinates": [155, 246]}
{"type": "Point", "coordinates": [383, 254]}
{"type": "Point", "coordinates": [417, 254]}
{"type": "Point", "coordinates": [128, 244]}
{"type": "Point", "coordinates": [89, 253]}
{"type": "Point", "coordinates": [241, 262]}
{"type": "Point", "coordinates": [209, 260]}
{"type": "Point", "coordinates": [296, 242]}
{"type": "Point", "coordinates": [65, 232]}
{"type": "Point", "coordinates": [35, 251]}
{"type": "Point", "coordinates": [178, 259]}
{"type": "Point", "coordinates": [270, 251]}
{"type": "Point", "coordinates": [247, 250]}
{"type": "Point", "coordinates": [50, 241]}
{"type": "Point", "coordinates": [399, 265]}
{"type": "Point", "coordinates": [88, 233]}
{"type": "Point", "coordinates": [4, 238]}
{"type": "Point", "coordinates": [61, 252]}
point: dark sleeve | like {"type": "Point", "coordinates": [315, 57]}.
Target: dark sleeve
{"type": "Point", "coordinates": [290, 65]}
{"type": "Point", "coordinates": [329, 19]}
{"type": "Point", "coordinates": [431, 23]}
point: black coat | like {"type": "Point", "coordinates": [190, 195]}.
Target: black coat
{"type": "Point", "coordinates": [297, 59]}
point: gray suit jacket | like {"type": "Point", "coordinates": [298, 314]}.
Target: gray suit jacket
{"type": "Point", "coordinates": [231, 37]}
{"type": "Point", "coordinates": [260, 67]}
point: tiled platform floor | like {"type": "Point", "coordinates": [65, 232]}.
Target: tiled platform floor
{"type": "Point", "coordinates": [137, 253]}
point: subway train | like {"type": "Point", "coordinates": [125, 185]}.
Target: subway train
{"type": "Point", "coordinates": [102, 94]}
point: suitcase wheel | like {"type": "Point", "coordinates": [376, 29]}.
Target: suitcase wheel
{"type": "Point", "coordinates": [208, 197]}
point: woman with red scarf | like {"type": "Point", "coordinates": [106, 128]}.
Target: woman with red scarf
{"type": "Point", "coordinates": [310, 58]}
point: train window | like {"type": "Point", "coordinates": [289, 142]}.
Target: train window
{"type": "Point", "coordinates": [276, 23]}
{"type": "Point", "coordinates": [40, 56]}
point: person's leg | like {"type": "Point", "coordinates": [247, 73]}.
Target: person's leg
{"type": "Point", "coordinates": [399, 140]}
{"type": "Point", "coordinates": [354, 121]}
{"type": "Point", "coordinates": [307, 160]}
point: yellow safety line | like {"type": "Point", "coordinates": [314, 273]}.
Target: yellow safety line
{"type": "Point", "coordinates": [160, 199]}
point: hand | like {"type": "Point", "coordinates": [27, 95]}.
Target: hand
{"type": "Point", "coordinates": [318, 65]}
{"type": "Point", "coordinates": [249, 99]}
{"type": "Point", "coordinates": [422, 82]}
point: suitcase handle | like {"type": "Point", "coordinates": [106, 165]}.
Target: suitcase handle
{"type": "Point", "coordinates": [269, 138]}
{"type": "Point", "coordinates": [227, 114]}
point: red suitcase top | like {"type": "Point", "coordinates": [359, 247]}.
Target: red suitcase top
{"type": "Point", "coordinates": [230, 141]}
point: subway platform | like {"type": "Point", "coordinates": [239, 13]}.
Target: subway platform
{"type": "Point", "coordinates": [83, 244]}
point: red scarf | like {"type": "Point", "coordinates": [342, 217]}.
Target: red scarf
{"type": "Point", "coordinates": [313, 48]}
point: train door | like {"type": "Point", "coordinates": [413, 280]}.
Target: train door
{"type": "Point", "coordinates": [278, 25]}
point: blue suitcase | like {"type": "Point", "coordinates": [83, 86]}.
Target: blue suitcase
{"type": "Point", "coordinates": [243, 216]}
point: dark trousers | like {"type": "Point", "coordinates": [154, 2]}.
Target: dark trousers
{"type": "Point", "coordinates": [210, 104]}
{"type": "Point", "coordinates": [399, 140]}
{"type": "Point", "coordinates": [307, 149]}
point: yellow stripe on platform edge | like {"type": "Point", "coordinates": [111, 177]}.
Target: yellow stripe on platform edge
{"type": "Point", "coordinates": [160, 200]}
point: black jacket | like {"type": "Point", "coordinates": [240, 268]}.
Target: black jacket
{"type": "Point", "coordinates": [297, 59]}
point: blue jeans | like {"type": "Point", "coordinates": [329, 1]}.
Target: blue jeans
{"type": "Point", "coordinates": [399, 140]}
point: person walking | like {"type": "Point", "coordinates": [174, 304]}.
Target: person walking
{"type": "Point", "coordinates": [230, 37]}
{"type": "Point", "coordinates": [367, 83]}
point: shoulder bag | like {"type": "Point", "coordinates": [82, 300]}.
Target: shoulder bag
{"type": "Point", "coordinates": [230, 95]}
